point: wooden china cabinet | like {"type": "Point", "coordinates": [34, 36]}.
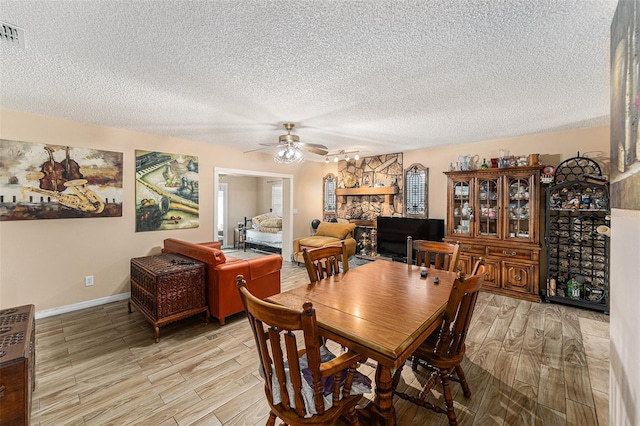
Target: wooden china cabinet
{"type": "Point", "coordinates": [495, 214]}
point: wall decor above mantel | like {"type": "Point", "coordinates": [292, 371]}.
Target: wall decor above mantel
{"type": "Point", "coordinates": [370, 187]}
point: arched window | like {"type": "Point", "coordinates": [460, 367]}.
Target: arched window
{"type": "Point", "coordinates": [416, 179]}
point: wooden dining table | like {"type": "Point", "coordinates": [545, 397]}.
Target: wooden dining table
{"type": "Point", "coordinates": [383, 310]}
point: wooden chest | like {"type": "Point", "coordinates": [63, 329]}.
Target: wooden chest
{"type": "Point", "coordinates": [17, 364]}
{"type": "Point", "coordinates": [167, 287]}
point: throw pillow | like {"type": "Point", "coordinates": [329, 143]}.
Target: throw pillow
{"type": "Point", "coordinates": [335, 230]}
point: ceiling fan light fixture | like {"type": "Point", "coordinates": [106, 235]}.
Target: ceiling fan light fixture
{"type": "Point", "coordinates": [291, 150]}
{"type": "Point", "coordinates": [289, 154]}
{"type": "Point", "coordinates": [289, 138]}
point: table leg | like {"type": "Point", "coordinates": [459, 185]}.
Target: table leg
{"type": "Point", "coordinates": [382, 411]}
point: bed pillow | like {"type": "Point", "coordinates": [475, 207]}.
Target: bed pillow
{"type": "Point", "coordinates": [335, 230]}
{"type": "Point", "coordinates": [271, 223]}
{"type": "Point", "coordinates": [267, 220]}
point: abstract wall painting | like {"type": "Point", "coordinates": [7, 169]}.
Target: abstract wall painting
{"type": "Point", "coordinates": [166, 191]}
{"type": "Point", "coordinates": [44, 181]}
{"type": "Point", "coordinates": [625, 106]}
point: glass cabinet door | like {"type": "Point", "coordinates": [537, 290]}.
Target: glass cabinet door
{"type": "Point", "coordinates": [488, 214]}
{"type": "Point", "coordinates": [519, 223]}
{"type": "Point", "coordinates": [462, 207]}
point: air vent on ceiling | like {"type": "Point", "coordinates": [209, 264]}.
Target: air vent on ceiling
{"type": "Point", "coordinates": [12, 34]}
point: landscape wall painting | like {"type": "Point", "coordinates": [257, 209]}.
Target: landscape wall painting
{"type": "Point", "coordinates": [44, 181]}
{"type": "Point", "coordinates": [625, 107]}
{"type": "Point", "coordinates": [166, 191]}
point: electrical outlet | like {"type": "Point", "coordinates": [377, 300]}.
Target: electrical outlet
{"type": "Point", "coordinates": [88, 281]}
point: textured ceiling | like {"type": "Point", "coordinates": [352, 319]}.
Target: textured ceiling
{"type": "Point", "coordinates": [377, 76]}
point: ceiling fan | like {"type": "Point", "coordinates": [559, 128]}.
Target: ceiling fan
{"type": "Point", "coordinates": [293, 142]}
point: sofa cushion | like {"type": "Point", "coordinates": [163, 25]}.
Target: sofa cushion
{"type": "Point", "coordinates": [318, 241]}
{"type": "Point", "coordinates": [335, 230]}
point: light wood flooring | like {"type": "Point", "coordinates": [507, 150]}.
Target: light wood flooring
{"type": "Point", "coordinates": [527, 364]}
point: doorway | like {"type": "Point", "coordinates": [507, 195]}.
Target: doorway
{"type": "Point", "coordinates": [287, 204]}
{"type": "Point", "coordinates": [223, 214]}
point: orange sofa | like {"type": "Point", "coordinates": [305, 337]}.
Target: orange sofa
{"type": "Point", "coordinates": [262, 275]}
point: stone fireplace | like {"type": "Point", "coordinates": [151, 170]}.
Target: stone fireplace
{"type": "Point", "coordinates": [370, 187]}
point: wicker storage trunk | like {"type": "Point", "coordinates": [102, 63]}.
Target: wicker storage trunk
{"type": "Point", "coordinates": [167, 287]}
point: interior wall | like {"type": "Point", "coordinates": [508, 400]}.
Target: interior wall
{"type": "Point", "coordinates": [624, 375]}
{"type": "Point", "coordinates": [44, 262]}
{"type": "Point", "coordinates": [552, 147]}
{"type": "Point", "coordinates": [243, 200]}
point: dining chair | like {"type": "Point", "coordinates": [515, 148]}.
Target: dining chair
{"type": "Point", "coordinates": [435, 254]}
{"type": "Point", "coordinates": [304, 382]}
{"type": "Point", "coordinates": [324, 262]}
{"type": "Point", "coordinates": [443, 351]}
{"type": "Point", "coordinates": [479, 268]}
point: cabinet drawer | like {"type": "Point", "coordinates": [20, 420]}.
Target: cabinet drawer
{"type": "Point", "coordinates": [512, 253]}
{"type": "Point", "coordinates": [472, 249]}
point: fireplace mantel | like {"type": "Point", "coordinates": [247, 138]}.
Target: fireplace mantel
{"type": "Point", "coordinates": [377, 190]}
{"type": "Point", "coordinates": [387, 191]}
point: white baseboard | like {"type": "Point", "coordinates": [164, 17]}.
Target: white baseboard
{"type": "Point", "coordinates": [82, 305]}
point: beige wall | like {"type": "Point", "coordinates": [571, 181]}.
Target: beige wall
{"type": "Point", "coordinates": [45, 261]}
{"type": "Point", "coordinates": [624, 375]}
{"type": "Point", "coordinates": [552, 147]}
{"type": "Point", "coordinates": [242, 200]}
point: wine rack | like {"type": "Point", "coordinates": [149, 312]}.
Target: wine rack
{"type": "Point", "coordinates": [577, 247]}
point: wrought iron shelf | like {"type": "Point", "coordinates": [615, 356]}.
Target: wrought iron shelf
{"type": "Point", "coordinates": [597, 306]}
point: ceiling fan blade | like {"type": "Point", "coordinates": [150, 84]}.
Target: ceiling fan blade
{"type": "Point", "coordinates": [316, 148]}
{"type": "Point", "coordinates": [257, 149]}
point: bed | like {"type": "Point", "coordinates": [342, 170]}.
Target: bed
{"type": "Point", "coordinates": [263, 233]}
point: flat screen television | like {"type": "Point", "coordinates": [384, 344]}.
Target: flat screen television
{"type": "Point", "coordinates": [392, 233]}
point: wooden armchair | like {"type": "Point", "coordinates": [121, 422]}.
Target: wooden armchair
{"type": "Point", "coordinates": [323, 262]}
{"type": "Point", "coordinates": [444, 255]}
{"type": "Point", "coordinates": [295, 368]}
{"type": "Point", "coordinates": [444, 349]}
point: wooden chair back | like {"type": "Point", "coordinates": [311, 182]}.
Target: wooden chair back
{"type": "Point", "coordinates": [457, 316]}
{"type": "Point", "coordinates": [282, 336]}
{"type": "Point", "coordinates": [439, 255]}
{"type": "Point", "coordinates": [479, 268]}
{"type": "Point", "coordinates": [324, 262]}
